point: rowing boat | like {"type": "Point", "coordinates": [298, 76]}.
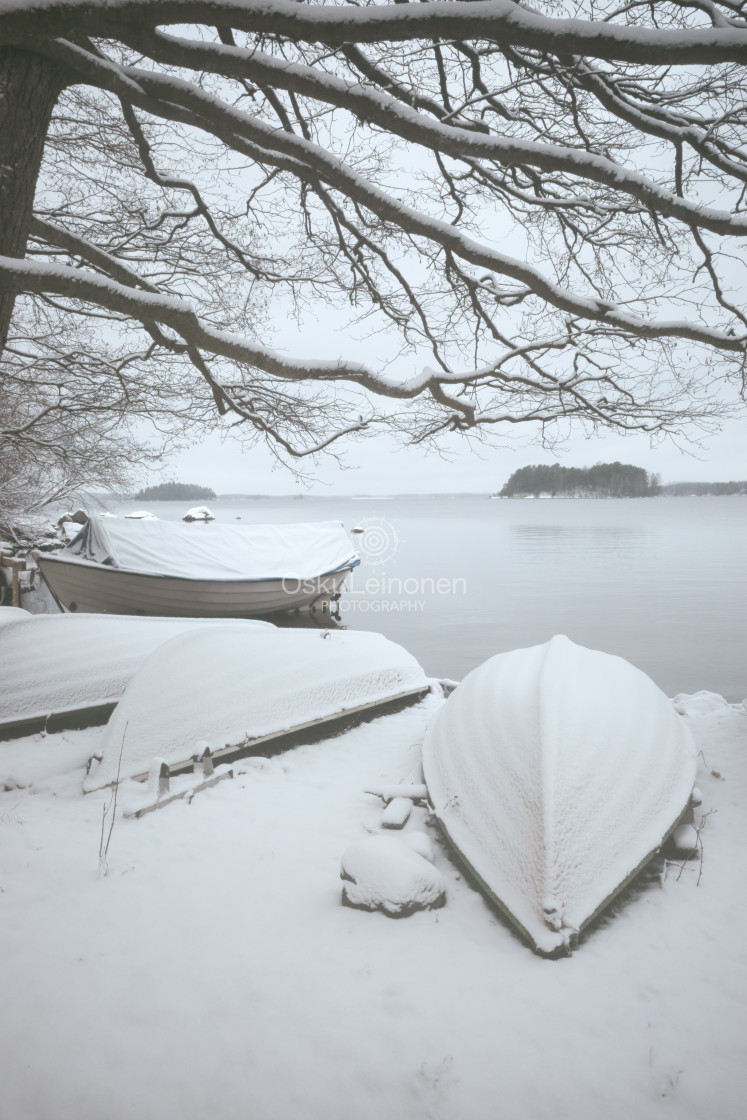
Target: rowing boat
{"type": "Point", "coordinates": [153, 567]}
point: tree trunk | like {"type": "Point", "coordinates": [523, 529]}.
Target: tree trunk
{"type": "Point", "coordinates": [29, 87]}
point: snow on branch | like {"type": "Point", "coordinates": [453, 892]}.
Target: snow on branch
{"type": "Point", "coordinates": [462, 178]}
{"type": "Point", "coordinates": [500, 21]}
{"type": "Point", "coordinates": [572, 393]}
{"type": "Point", "coordinates": [385, 111]}
{"type": "Point", "coordinates": [175, 99]}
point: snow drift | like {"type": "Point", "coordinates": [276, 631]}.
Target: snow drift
{"type": "Point", "coordinates": [555, 772]}
{"type": "Point", "coordinates": [223, 689]}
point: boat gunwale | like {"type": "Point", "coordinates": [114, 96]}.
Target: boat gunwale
{"type": "Point", "coordinates": [565, 945]}
{"type": "Point", "coordinates": [77, 562]}
{"type": "Point", "coordinates": [247, 746]}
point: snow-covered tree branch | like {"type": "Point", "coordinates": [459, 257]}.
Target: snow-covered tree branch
{"type": "Point", "coordinates": [544, 204]}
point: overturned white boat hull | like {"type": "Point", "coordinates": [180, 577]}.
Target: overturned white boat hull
{"type": "Point", "coordinates": [233, 690]}
{"type": "Point", "coordinates": [81, 585]}
{"type": "Point", "coordinates": [555, 773]}
{"type": "Point", "coordinates": [68, 669]}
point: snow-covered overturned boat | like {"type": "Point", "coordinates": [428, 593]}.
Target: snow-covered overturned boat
{"type": "Point", "coordinates": [234, 690]}
{"type": "Point", "coordinates": [63, 670]}
{"type": "Point", "coordinates": [152, 567]}
{"type": "Point", "coordinates": [555, 773]}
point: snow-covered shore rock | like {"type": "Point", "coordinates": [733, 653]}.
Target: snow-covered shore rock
{"type": "Point", "coordinates": [385, 873]}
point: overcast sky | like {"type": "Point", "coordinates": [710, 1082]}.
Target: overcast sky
{"type": "Point", "coordinates": [379, 467]}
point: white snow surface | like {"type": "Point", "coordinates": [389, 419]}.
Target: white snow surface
{"type": "Point", "coordinates": [384, 873]}
{"type": "Point", "coordinates": [555, 771]}
{"type": "Point", "coordinates": [59, 663]}
{"type": "Point", "coordinates": [223, 687]}
{"type": "Point", "coordinates": [13, 614]}
{"type": "Point", "coordinates": [214, 972]}
{"type": "Point", "coordinates": [213, 551]}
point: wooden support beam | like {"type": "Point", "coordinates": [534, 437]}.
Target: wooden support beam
{"type": "Point", "coordinates": [16, 565]}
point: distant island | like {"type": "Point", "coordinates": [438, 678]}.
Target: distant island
{"type": "Point", "coordinates": [173, 492]}
{"type": "Point", "coordinates": [696, 489]}
{"type": "Point", "coordinates": [604, 480]}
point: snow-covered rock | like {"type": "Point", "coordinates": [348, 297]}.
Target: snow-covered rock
{"type": "Point", "coordinates": [555, 771]}
{"type": "Point", "coordinates": [199, 513]}
{"type": "Point", "coordinates": [77, 517]}
{"type": "Point", "coordinates": [384, 873]}
{"type": "Point", "coordinates": [701, 703]}
{"type": "Point", "coordinates": [141, 515]}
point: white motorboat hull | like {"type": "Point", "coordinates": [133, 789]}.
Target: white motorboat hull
{"type": "Point", "coordinates": [80, 585]}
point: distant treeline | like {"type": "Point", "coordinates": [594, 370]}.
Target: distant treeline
{"type": "Point", "coordinates": [683, 489]}
{"type": "Point", "coordinates": [174, 492]}
{"type": "Point", "coordinates": [605, 480]}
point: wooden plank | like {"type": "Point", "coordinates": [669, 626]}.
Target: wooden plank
{"type": "Point", "coordinates": [70, 719]}
{"type": "Point", "coordinates": [178, 795]}
{"type": "Point", "coordinates": [397, 813]}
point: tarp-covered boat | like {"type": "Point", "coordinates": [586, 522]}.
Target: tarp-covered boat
{"type": "Point", "coordinates": [152, 567]}
{"type": "Point", "coordinates": [555, 773]}
{"type": "Point", "coordinates": [231, 690]}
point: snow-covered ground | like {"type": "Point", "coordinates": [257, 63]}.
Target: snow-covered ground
{"type": "Point", "coordinates": [214, 972]}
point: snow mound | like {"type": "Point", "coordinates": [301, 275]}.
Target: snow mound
{"type": "Point", "coordinates": [701, 703]}
{"type": "Point", "coordinates": [555, 772]}
{"type": "Point", "coordinates": [385, 873]}
{"type": "Point", "coordinates": [199, 513]}
{"type": "Point", "coordinates": [229, 688]}
{"type": "Point", "coordinates": [66, 662]}
{"type": "Point", "coordinates": [421, 843]}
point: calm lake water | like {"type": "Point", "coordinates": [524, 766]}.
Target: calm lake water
{"type": "Point", "coordinates": [662, 582]}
